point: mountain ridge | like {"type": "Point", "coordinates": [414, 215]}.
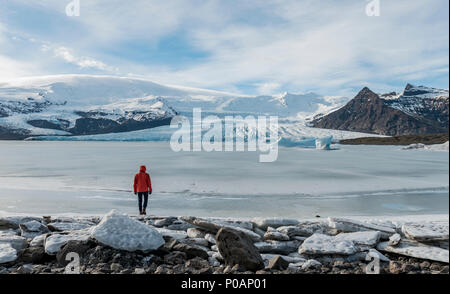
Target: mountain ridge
{"type": "Point", "coordinates": [388, 115]}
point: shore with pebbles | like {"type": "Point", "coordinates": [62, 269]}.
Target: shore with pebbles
{"type": "Point", "coordinates": [120, 244]}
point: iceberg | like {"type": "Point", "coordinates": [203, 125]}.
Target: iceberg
{"type": "Point", "coordinates": [324, 143]}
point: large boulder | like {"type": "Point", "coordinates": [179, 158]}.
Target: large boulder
{"type": "Point", "coordinates": [237, 248]}
{"type": "Point", "coordinates": [121, 232]}
{"type": "Point", "coordinates": [7, 253]}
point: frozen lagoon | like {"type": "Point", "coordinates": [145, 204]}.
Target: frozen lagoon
{"type": "Point", "coordinates": [42, 177]}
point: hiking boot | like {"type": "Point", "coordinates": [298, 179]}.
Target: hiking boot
{"type": "Point", "coordinates": [144, 212]}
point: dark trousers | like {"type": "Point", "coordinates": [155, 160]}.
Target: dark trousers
{"type": "Point", "coordinates": [140, 194]}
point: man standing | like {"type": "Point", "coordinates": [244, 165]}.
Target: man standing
{"type": "Point", "coordinates": [142, 187]}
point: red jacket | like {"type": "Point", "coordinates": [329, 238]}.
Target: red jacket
{"type": "Point", "coordinates": [142, 181]}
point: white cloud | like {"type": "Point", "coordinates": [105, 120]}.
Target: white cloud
{"type": "Point", "coordinates": [82, 62]}
{"type": "Point", "coordinates": [306, 45]}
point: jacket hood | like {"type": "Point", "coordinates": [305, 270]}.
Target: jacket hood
{"type": "Point", "coordinates": [142, 168]}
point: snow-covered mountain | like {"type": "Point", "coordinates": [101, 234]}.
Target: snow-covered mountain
{"type": "Point", "coordinates": [88, 105]}
{"type": "Point", "coordinates": [416, 111]}
{"type": "Point", "coordinates": [421, 101]}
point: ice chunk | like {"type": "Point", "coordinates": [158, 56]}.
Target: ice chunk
{"type": "Point", "coordinates": [394, 239]}
{"type": "Point", "coordinates": [344, 243]}
{"type": "Point", "coordinates": [324, 143]}
{"type": "Point", "coordinates": [14, 241]}
{"type": "Point", "coordinates": [7, 253]}
{"type": "Point", "coordinates": [426, 231]}
{"type": "Point", "coordinates": [175, 234]}
{"type": "Point", "coordinates": [417, 250]}
{"type": "Point", "coordinates": [324, 244]}
{"type": "Point", "coordinates": [264, 223]}
{"type": "Point", "coordinates": [55, 242]}
{"type": "Point", "coordinates": [122, 232]}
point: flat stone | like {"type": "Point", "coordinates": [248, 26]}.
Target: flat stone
{"type": "Point", "coordinates": [417, 250]}
{"type": "Point", "coordinates": [198, 241]}
{"type": "Point", "coordinates": [167, 221]}
{"type": "Point", "coordinates": [363, 238]}
{"type": "Point", "coordinates": [69, 226]}
{"type": "Point", "coordinates": [344, 243]}
{"type": "Point", "coordinates": [293, 231]}
{"type": "Point", "coordinates": [349, 225]}
{"type": "Point", "coordinates": [264, 223]}
{"type": "Point", "coordinates": [426, 232]}
{"type": "Point", "coordinates": [174, 234]}
{"type": "Point", "coordinates": [215, 226]}
{"type": "Point", "coordinates": [289, 259]}
{"type": "Point", "coordinates": [278, 247]}
{"type": "Point", "coordinates": [275, 235]}
{"type": "Point", "coordinates": [324, 244]}
{"type": "Point", "coordinates": [248, 225]}
{"type": "Point", "coordinates": [278, 263]}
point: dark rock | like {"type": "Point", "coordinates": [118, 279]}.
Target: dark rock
{"type": "Point", "coordinates": [278, 263]}
{"type": "Point", "coordinates": [237, 248]}
{"type": "Point", "coordinates": [197, 263]}
{"type": "Point", "coordinates": [395, 267]}
{"type": "Point", "coordinates": [79, 247]}
{"type": "Point", "coordinates": [34, 255]}
{"type": "Point", "coordinates": [191, 250]}
{"type": "Point", "coordinates": [237, 268]}
{"type": "Point", "coordinates": [175, 257]}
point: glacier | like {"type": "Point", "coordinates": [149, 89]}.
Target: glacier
{"type": "Point", "coordinates": [48, 108]}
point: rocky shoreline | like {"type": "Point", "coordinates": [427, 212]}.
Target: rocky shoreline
{"type": "Point", "coordinates": [120, 244]}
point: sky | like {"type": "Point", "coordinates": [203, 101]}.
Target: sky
{"type": "Point", "coordinates": [254, 47]}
